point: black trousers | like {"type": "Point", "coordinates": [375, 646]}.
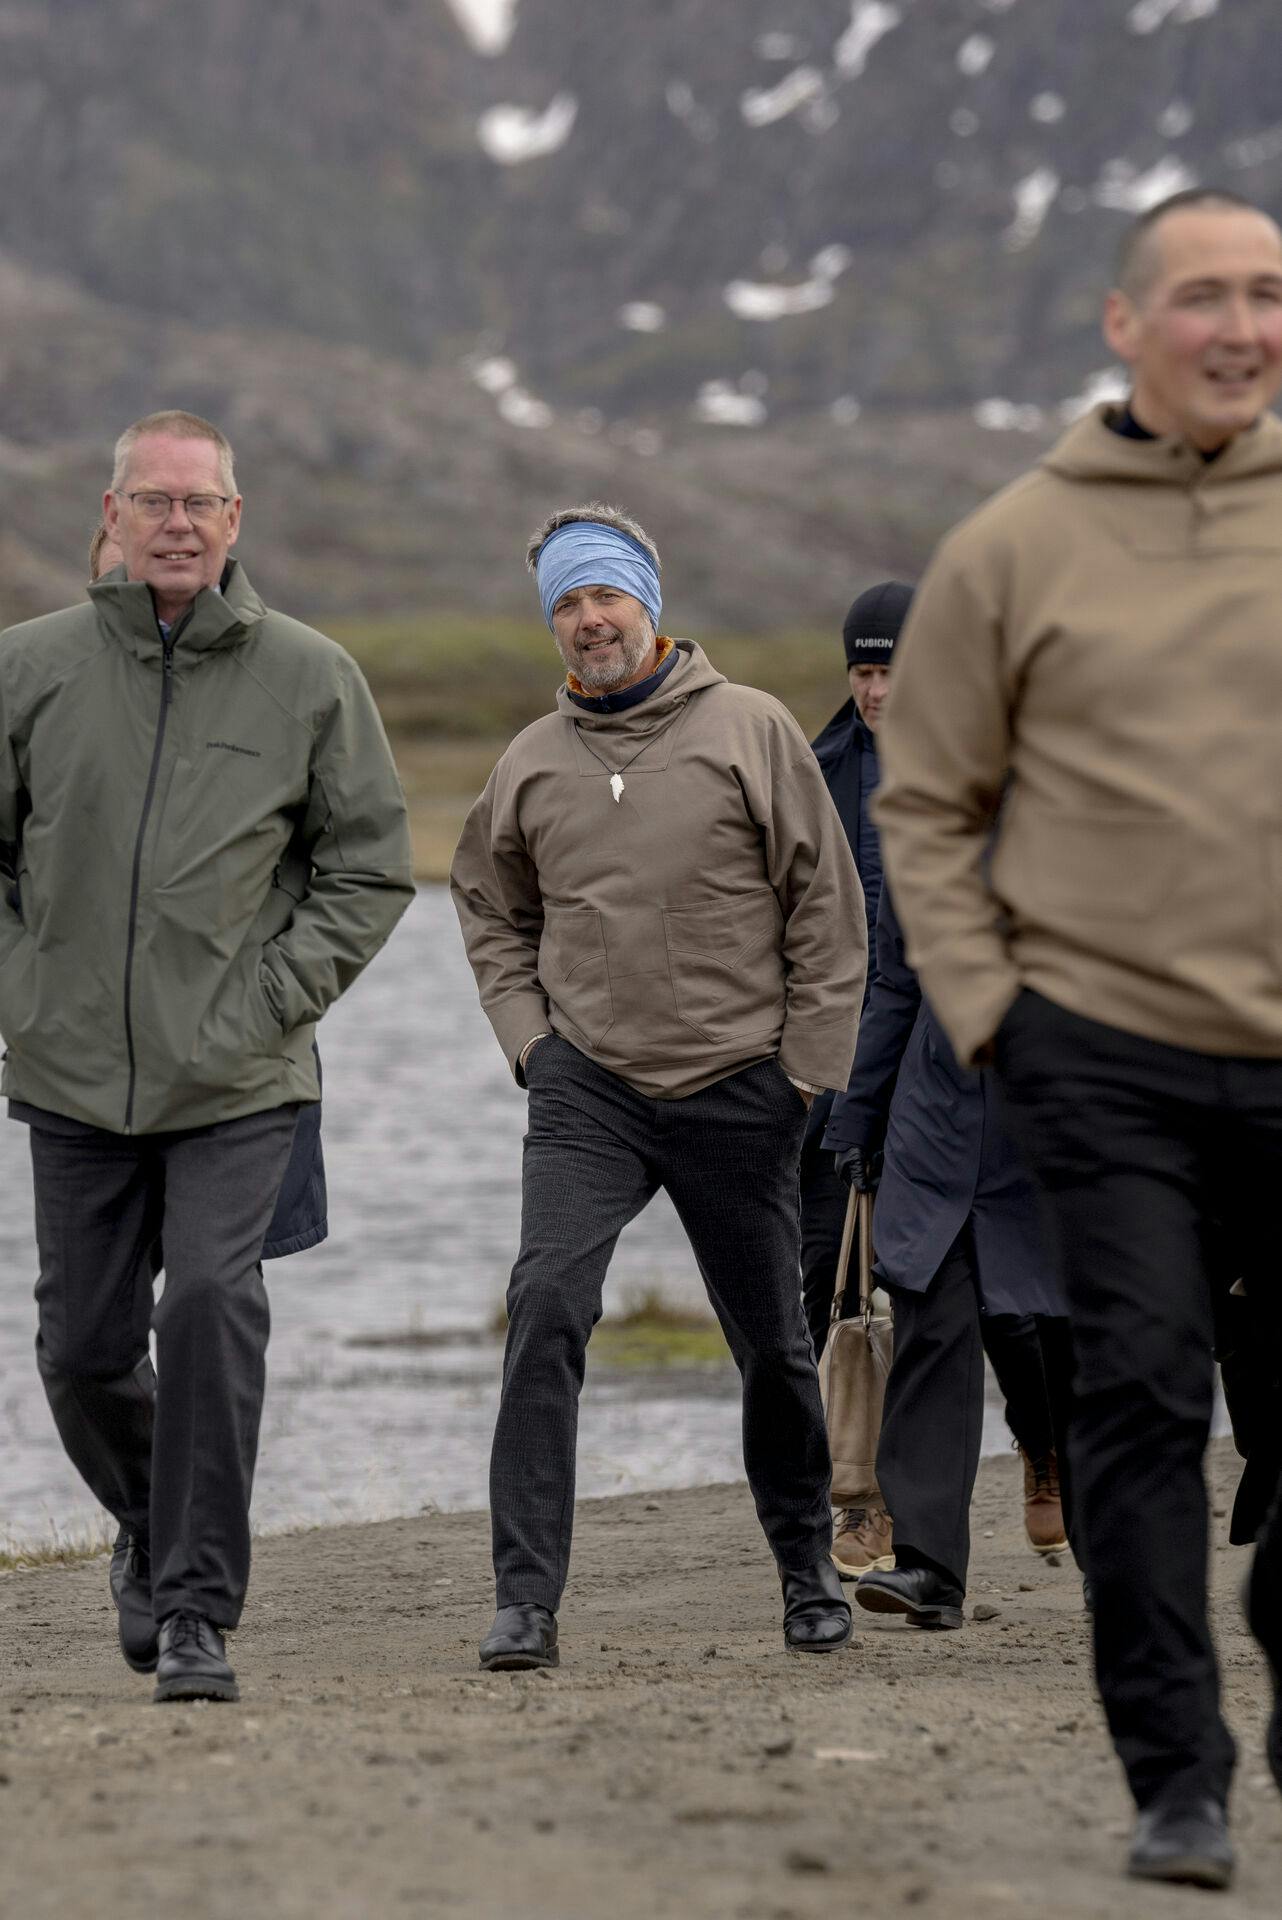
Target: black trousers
{"type": "Point", "coordinates": [823, 1213]}
{"type": "Point", "coordinates": [1161, 1165]}
{"type": "Point", "coordinates": [595, 1153]}
{"type": "Point", "coordinates": [933, 1418]}
{"type": "Point", "coordinates": [173, 1460]}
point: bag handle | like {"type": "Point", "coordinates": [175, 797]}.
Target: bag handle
{"type": "Point", "coordinates": [843, 1258]}
{"type": "Point", "coordinates": [865, 1258]}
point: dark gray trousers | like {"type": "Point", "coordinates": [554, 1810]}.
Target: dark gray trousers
{"type": "Point", "coordinates": [595, 1154]}
{"type": "Point", "coordinates": [174, 1460]}
{"type": "Point", "coordinates": [933, 1418]}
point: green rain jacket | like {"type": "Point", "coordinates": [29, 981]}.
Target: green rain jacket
{"type": "Point", "coordinates": [206, 842]}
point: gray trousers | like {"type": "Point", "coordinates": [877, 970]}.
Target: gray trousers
{"type": "Point", "coordinates": [174, 1461]}
{"type": "Point", "coordinates": [595, 1153]}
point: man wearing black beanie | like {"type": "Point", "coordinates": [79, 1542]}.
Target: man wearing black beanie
{"type": "Point", "coordinates": [948, 1163]}
{"type": "Point", "coordinates": [847, 754]}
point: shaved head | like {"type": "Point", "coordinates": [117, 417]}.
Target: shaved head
{"type": "Point", "coordinates": [1139, 256]}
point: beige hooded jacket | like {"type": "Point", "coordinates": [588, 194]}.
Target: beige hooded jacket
{"type": "Point", "coordinates": [708, 918]}
{"type": "Point", "coordinates": [1108, 631]}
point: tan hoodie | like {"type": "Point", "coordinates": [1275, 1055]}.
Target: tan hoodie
{"type": "Point", "coordinates": [708, 918]}
{"type": "Point", "coordinates": [1109, 629]}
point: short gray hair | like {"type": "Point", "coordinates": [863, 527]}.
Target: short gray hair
{"type": "Point", "coordinates": [179, 426]}
{"type": "Point", "coordinates": [598, 510]}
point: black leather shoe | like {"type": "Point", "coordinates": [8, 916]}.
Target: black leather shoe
{"type": "Point", "coordinates": [193, 1661]}
{"type": "Point", "coordinates": [924, 1599]}
{"type": "Point", "coordinates": [131, 1592]}
{"type": "Point", "coordinates": [1264, 1618]}
{"type": "Point", "coordinates": [521, 1638]}
{"type": "Point", "coordinates": [816, 1613]}
{"type": "Point", "coordinates": [1183, 1839]}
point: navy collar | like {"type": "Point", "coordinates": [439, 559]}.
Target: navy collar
{"type": "Point", "coordinates": [630, 696]}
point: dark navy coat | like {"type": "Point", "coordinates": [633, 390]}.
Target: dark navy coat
{"type": "Point", "coordinates": [947, 1155]}
{"type": "Point", "coordinates": [847, 757]}
{"type": "Point", "coordinates": [300, 1219]}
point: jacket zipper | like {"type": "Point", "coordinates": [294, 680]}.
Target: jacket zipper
{"type": "Point", "coordinates": [166, 693]}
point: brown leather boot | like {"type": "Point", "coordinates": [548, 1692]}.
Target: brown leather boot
{"type": "Point", "coordinates": [1043, 1516]}
{"type": "Point", "coordinates": [861, 1541]}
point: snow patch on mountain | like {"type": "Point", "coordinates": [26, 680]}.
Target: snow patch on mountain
{"type": "Point", "coordinates": [1035, 195]}
{"type": "Point", "coordinates": [1123, 186]}
{"type": "Point", "coordinates": [762, 300]}
{"type": "Point", "coordinates": [1148, 15]}
{"type": "Point", "coordinates": [762, 106]}
{"type": "Point", "coordinates": [643, 316]}
{"type": "Point", "coordinates": [722, 405]}
{"type": "Point", "coordinates": [512, 135]}
{"type": "Point", "coordinates": [870, 21]}
{"type": "Point", "coordinates": [488, 24]}
{"type": "Point", "coordinates": [975, 54]}
{"type": "Point", "coordinates": [1110, 384]}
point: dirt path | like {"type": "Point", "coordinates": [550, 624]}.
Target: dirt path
{"type": "Point", "coordinates": [678, 1764]}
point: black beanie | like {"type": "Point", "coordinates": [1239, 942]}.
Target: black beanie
{"type": "Point", "coordinates": [873, 623]}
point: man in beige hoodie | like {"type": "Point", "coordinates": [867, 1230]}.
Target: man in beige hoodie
{"type": "Point", "coordinates": [1099, 650]}
{"type": "Point", "coordinates": [667, 931]}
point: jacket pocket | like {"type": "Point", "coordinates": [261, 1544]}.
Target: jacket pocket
{"type": "Point", "coordinates": [573, 971]}
{"type": "Point", "coordinates": [726, 964]}
{"type": "Point", "coordinates": [17, 990]}
{"type": "Point", "coordinates": [1114, 865]}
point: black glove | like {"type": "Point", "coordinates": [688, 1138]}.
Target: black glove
{"type": "Point", "coordinates": [859, 1170]}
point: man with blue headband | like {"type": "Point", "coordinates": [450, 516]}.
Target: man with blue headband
{"type": "Point", "coordinates": [667, 931]}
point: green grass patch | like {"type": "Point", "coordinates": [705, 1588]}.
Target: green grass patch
{"type": "Point", "coordinates": [650, 1334]}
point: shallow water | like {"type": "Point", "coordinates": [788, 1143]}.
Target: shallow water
{"type": "Point", "coordinates": [423, 1130]}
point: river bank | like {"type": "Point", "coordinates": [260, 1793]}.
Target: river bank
{"type": "Point", "coordinates": [679, 1763]}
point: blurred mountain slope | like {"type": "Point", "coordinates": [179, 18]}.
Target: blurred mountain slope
{"type": "Point", "coordinates": [429, 289]}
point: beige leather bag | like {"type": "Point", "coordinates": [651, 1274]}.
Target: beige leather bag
{"type": "Point", "coordinates": [853, 1369]}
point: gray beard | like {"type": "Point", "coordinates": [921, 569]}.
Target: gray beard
{"type": "Point", "coordinates": [597, 677]}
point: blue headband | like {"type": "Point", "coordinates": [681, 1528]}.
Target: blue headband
{"type": "Point", "coordinates": [584, 553]}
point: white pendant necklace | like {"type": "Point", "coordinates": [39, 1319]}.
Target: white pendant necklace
{"type": "Point", "coordinates": [616, 775]}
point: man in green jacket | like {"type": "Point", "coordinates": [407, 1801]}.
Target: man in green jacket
{"type": "Point", "coordinates": [204, 842]}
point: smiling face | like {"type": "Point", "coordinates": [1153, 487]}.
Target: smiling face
{"type": "Point", "coordinates": [605, 638]}
{"type": "Point", "coordinates": [177, 554]}
{"type": "Point", "coordinates": [1202, 335]}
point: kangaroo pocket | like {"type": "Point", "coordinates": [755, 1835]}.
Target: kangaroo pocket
{"type": "Point", "coordinates": [573, 970]}
{"type": "Point", "coordinates": [1065, 870]}
{"type": "Point", "coordinates": [726, 964]}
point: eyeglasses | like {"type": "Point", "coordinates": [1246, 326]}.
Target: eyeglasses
{"type": "Point", "coordinates": [159, 506]}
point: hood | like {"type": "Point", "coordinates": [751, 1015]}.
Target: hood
{"type": "Point", "coordinates": [692, 673]}
{"type": "Point", "coordinates": [127, 613]}
{"type": "Point", "coordinates": [1091, 451]}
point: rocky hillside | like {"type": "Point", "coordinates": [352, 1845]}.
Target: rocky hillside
{"type": "Point", "coordinates": [799, 279]}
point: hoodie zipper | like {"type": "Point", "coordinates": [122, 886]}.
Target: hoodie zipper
{"type": "Point", "coordinates": [166, 694]}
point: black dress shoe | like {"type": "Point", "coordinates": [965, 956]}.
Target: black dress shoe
{"type": "Point", "coordinates": [816, 1613]}
{"type": "Point", "coordinates": [1185, 1839]}
{"type": "Point", "coordinates": [521, 1638]}
{"type": "Point", "coordinates": [131, 1592]}
{"type": "Point", "coordinates": [193, 1661]}
{"type": "Point", "coordinates": [918, 1593]}
{"type": "Point", "coordinates": [1264, 1618]}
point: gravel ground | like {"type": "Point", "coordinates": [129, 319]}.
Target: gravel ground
{"type": "Point", "coordinates": [679, 1763]}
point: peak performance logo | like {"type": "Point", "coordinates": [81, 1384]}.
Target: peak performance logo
{"type": "Point", "coordinates": [229, 746]}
